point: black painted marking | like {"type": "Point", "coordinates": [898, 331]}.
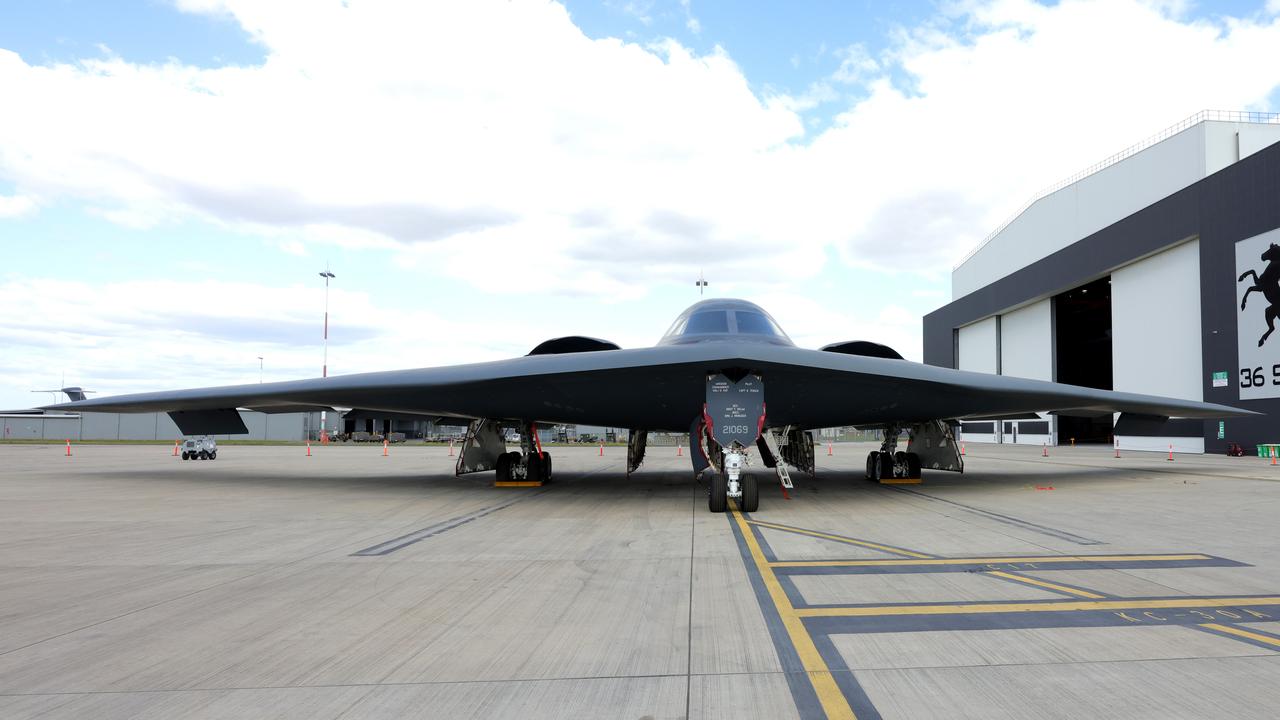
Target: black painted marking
{"type": "Point", "coordinates": [1021, 567]}
{"type": "Point", "coordinates": [1006, 519]}
{"type": "Point", "coordinates": [802, 692]}
{"type": "Point", "coordinates": [404, 541]}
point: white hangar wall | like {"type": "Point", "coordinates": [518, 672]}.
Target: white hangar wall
{"type": "Point", "coordinates": [1018, 343]}
{"type": "Point", "coordinates": [977, 350]}
{"type": "Point", "coordinates": [1156, 334]}
{"type": "Point", "coordinates": [1026, 350]}
{"type": "Point", "coordinates": [1108, 195]}
{"type": "Point", "coordinates": [978, 346]}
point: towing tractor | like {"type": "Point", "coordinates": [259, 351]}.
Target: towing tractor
{"type": "Point", "coordinates": [205, 448]}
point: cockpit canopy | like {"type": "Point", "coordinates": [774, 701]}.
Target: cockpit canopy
{"type": "Point", "coordinates": [712, 320]}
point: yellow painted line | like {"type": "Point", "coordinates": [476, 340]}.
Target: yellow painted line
{"type": "Point", "coordinates": [1033, 559]}
{"type": "Point", "coordinates": [837, 538]}
{"type": "Point", "coordinates": [517, 483]}
{"type": "Point", "coordinates": [1040, 606]}
{"type": "Point", "coordinates": [1242, 633]}
{"type": "Point", "coordinates": [832, 700]}
{"type": "Point", "coordinates": [1045, 584]}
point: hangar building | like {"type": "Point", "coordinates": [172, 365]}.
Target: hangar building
{"type": "Point", "coordinates": [1126, 277]}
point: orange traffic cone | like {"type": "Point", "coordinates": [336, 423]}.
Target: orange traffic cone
{"type": "Point", "coordinates": [68, 447]}
{"type": "Point", "coordinates": [1046, 451]}
{"type": "Point", "coordinates": [1273, 456]}
{"type": "Point", "coordinates": [1117, 448]}
{"type": "Point", "coordinates": [679, 450]}
{"type": "Point", "coordinates": [308, 448]}
{"type": "Point", "coordinates": [175, 448]}
{"type": "Point", "coordinates": [828, 449]}
{"type": "Point", "coordinates": [384, 448]}
{"type": "Point", "coordinates": [961, 448]}
{"type": "Point", "coordinates": [1170, 453]}
{"type": "Point", "coordinates": [450, 447]}
{"type": "Point", "coordinates": [601, 449]}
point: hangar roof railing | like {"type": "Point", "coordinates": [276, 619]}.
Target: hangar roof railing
{"type": "Point", "coordinates": [1202, 116]}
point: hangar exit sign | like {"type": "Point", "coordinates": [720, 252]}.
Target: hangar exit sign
{"type": "Point", "coordinates": [1221, 379]}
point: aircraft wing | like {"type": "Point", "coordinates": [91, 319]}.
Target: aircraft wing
{"type": "Point", "coordinates": [663, 388]}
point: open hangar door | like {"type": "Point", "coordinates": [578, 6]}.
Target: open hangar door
{"type": "Point", "coordinates": [1083, 354]}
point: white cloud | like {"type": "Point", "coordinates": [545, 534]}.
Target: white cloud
{"type": "Point", "coordinates": [12, 206]}
{"type": "Point", "coordinates": [122, 337]}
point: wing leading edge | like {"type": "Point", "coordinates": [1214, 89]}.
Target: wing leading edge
{"type": "Point", "coordinates": [662, 388]}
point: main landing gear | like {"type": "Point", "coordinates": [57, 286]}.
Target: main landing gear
{"type": "Point", "coordinates": [889, 463]}
{"type": "Point", "coordinates": [520, 467]}
{"type": "Point", "coordinates": [485, 448]}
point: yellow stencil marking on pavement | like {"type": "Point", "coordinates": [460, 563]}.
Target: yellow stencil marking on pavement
{"type": "Point", "coordinates": [1045, 584]}
{"type": "Point", "coordinates": [829, 696]}
{"type": "Point", "coordinates": [1039, 606]}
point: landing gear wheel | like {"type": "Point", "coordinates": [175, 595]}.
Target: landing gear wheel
{"type": "Point", "coordinates": [718, 500]}
{"type": "Point", "coordinates": [913, 466]}
{"type": "Point", "coordinates": [886, 466]}
{"type": "Point", "coordinates": [503, 468]}
{"type": "Point", "coordinates": [750, 500]}
{"type": "Point", "coordinates": [546, 467]}
{"type": "Point", "coordinates": [534, 468]}
{"type": "Point", "coordinates": [873, 466]}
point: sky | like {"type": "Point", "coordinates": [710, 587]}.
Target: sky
{"type": "Point", "coordinates": [484, 175]}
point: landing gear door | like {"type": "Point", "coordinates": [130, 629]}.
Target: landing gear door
{"type": "Point", "coordinates": [735, 410]}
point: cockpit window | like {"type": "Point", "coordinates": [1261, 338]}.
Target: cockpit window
{"type": "Point", "coordinates": [709, 321]}
{"type": "Point", "coordinates": [755, 323]}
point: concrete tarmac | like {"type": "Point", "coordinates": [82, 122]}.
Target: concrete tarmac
{"type": "Point", "coordinates": [352, 585]}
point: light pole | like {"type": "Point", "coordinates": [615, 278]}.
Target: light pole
{"type": "Point", "coordinates": [259, 369]}
{"type": "Point", "coordinates": [702, 283]}
{"type": "Point", "coordinates": [324, 371]}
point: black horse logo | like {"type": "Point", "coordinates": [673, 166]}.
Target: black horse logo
{"type": "Point", "coordinates": [1268, 283]}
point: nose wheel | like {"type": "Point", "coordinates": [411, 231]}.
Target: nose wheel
{"type": "Point", "coordinates": [744, 490]}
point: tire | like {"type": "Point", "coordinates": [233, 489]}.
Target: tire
{"type": "Point", "coordinates": [204, 455]}
{"type": "Point", "coordinates": [503, 468]}
{"type": "Point", "coordinates": [546, 467]}
{"type": "Point", "coordinates": [750, 501]}
{"type": "Point", "coordinates": [913, 466]}
{"type": "Point", "coordinates": [213, 455]}
{"type": "Point", "coordinates": [186, 455]}
{"type": "Point", "coordinates": [718, 500]}
{"type": "Point", "coordinates": [873, 466]}
{"type": "Point", "coordinates": [534, 464]}
{"type": "Point", "coordinates": [886, 466]}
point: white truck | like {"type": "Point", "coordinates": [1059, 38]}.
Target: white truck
{"type": "Point", "coordinates": [205, 448]}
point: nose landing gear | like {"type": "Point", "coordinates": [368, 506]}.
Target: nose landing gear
{"type": "Point", "coordinates": [731, 482]}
